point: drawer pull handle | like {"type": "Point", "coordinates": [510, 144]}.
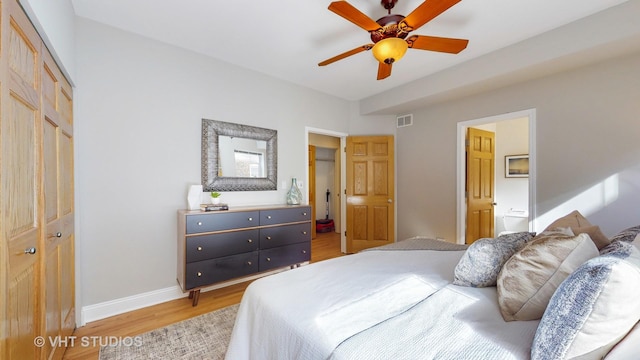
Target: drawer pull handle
{"type": "Point", "coordinates": [268, 259]}
{"type": "Point", "coordinates": [268, 216]}
{"type": "Point", "coordinates": [30, 250]}
{"type": "Point", "coordinates": [304, 233]}
{"type": "Point", "coordinates": [304, 251]}
{"type": "Point", "coordinates": [250, 219]}
{"type": "Point", "coordinates": [199, 248]}
{"type": "Point", "coordinates": [249, 263]}
{"type": "Point", "coordinates": [249, 241]}
{"type": "Point", "coordinates": [199, 223]}
{"type": "Point", "coordinates": [199, 274]}
{"type": "Point", "coordinates": [304, 214]}
{"type": "Point", "coordinates": [268, 237]}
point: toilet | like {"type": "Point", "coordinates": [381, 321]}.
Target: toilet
{"type": "Point", "coordinates": [515, 220]}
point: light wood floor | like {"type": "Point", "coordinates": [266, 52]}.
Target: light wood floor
{"type": "Point", "coordinates": [323, 247]}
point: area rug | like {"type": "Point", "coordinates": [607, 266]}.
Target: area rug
{"type": "Point", "coordinates": [202, 337]}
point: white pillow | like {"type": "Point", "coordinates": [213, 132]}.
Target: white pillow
{"type": "Point", "coordinates": [593, 309]}
{"type": "Point", "coordinates": [531, 276]}
{"type": "Point", "coordinates": [628, 348]}
{"type": "Point", "coordinates": [636, 241]}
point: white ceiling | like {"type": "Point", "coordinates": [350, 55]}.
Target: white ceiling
{"type": "Point", "coordinates": [286, 39]}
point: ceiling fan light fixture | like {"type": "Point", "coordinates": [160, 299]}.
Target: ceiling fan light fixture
{"type": "Point", "coordinates": [390, 50]}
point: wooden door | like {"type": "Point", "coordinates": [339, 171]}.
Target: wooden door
{"type": "Point", "coordinates": [312, 188]}
{"type": "Point", "coordinates": [480, 184]}
{"type": "Point", "coordinates": [335, 203]}
{"type": "Point", "coordinates": [58, 206]}
{"type": "Point", "coordinates": [21, 163]}
{"type": "Point", "coordinates": [370, 192]}
{"type": "Point", "coordinates": [37, 287]}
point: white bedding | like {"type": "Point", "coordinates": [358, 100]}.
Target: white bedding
{"type": "Point", "coordinates": [320, 311]}
{"type": "Point", "coordinates": [454, 323]}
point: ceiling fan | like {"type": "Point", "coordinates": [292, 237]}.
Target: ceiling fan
{"type": "Point", "coordinates": [389, 33]}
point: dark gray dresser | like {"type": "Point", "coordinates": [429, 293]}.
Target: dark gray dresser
{"type": "Point", "coordinates": [218, 246]}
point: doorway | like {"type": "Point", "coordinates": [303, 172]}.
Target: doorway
{"type": "Point", "coordinates": [515, 135]}
{"type": "Point", "coordinates": [329, 173]}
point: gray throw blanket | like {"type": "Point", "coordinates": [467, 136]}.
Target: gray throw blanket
{"type": "Point", "coordinates": [421, 243]}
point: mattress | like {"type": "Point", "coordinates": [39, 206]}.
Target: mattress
{"type": "Point", "coordinates": [375, 304]}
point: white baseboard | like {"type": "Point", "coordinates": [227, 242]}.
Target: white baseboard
{"type": "Point", "coordinates": [106, 309]}
{"type": "Point", "coordinates": [118, 306]}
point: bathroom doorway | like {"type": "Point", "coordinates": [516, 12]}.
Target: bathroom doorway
{"type": "Point", "coordinates": [513, 193]}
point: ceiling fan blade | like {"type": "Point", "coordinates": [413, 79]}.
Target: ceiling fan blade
{"type": "Point", "coordinates": [434, 43]}
{"type": "Point", "coordinates": [354, 15]}
{"type": "Point", "coordinates": [346, 54]}
{"type": "Point", "coordinates": [426, 12]}
{"type": "Point", "coordinates": [384, 70]}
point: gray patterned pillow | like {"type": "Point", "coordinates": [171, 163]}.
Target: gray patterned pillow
{"type": "Point", "coordinates": [627, 235]}
{"type": "Point", "coordinates": [481, 263]}
{"type": "Point", "coordinates": [593, 309]}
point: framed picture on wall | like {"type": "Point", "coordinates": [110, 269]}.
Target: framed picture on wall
{"type": "Point", "coordinates": [516, 166]}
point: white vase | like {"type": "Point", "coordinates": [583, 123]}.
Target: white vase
{"type": "Point", "coordinates": [294, 195]}
{"type": "Point", "coordinates": [215, 201]}
{"type": "Point", "coordinates": [194, 197]}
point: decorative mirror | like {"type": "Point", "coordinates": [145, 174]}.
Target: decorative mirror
{"type": "Point", "coordinates": [238, 157]}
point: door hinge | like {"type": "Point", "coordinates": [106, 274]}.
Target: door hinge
{"type": "Point", "coordinates": [345, 233]}
{"type": "Point", "coordinates": [466, 142]}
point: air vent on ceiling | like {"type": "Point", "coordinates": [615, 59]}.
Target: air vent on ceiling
{"type": "Point", "coordinates": [405, 120]}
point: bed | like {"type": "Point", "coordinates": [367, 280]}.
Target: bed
{"type": "Point", "coordinates": [404, 301]}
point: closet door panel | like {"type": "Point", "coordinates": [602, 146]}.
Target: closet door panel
{"type": "Point", "coordinates": [50, 153]}
{"type": "Point", "coordinates": [52, 300]}
{"type": "Point", "coordinates": [20, 131]}
{"type": "Point", "coordinates": [21, 182]}
{"type": "Point", "coordinates": [67, 286]}
{"type": "Point", "coordinates": [66, 245]}
{"type": "Point", "coordinates": [58, 199]}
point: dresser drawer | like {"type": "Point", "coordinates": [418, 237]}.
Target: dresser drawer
{"type": "Point", "coordinates": [285, 256]}
{"type": "Point", "coordinates": [279, 216]}
{"type": "Point", "coordinates": [221, 221]}
{"type": "Point", "coordinates": [207, 272]}
{"type": "Point", "coordinates": [285, 235]}
{"type": "Point", "coordinates": [203, 247]}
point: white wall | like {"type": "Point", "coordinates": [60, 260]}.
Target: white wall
{"type": "Point", "coordinates": [139, 110]}
{"type": "Point", "coordinates": [588, 154]}
{"type": "Point", "coordinates": [512, 138]}
{"type": "Point", "coordinates": [370, 124]}
{"type": "Point", "coordinates": [55, 22]}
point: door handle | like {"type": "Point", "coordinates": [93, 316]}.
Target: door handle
{"type": "Point", "coordinates": [30, 251]}
{"type": "Point", "coordinates": [494, 204]}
